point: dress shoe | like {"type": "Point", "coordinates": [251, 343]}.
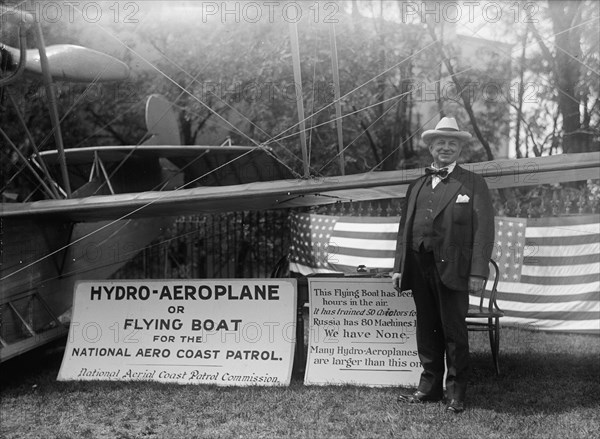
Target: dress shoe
{"type": "Point", "coordinates": [455, 406]}
{"type": "Point", "coordinates": [418, 398]}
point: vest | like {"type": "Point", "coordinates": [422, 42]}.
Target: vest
{"type": "Point", "coordinates": [422, 229]}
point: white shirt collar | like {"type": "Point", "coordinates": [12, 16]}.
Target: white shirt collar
{"type": "Point", "coordinates": [436, 178]}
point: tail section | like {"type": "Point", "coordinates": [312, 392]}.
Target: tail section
{"type": "Point", "coordinates": [161, 121]}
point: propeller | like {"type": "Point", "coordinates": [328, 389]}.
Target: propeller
{"type": "Point", "coordinates": [73, 63]}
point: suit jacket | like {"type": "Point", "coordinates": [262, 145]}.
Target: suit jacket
{"type": "Point", "coordinates": [463, 232]}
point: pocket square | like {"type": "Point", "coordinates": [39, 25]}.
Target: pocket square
{"type": "Point", "coordinates": [462, 198]}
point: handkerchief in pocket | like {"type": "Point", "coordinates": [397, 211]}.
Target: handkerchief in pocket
{"type": "Point", "coordinates": [462, 198]}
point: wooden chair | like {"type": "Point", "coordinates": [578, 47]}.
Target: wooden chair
{"type": "Point", "coordinates": [281, 268]}
{"type": "Point", "coordinates": [486, 315]}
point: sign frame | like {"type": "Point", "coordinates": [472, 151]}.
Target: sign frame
{"type": "Point", "coordinates": [199, 331]}
{"type": "Point", "coordinates": [361, 332]}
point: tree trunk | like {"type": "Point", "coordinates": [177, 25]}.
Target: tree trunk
{"type": "Point", "coordinates": [520, 97]}
{"type": "Point", "coordinates": [565, 17]}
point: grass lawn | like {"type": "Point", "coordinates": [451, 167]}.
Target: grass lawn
{"type": "Point", "coordinates": [549, 387]}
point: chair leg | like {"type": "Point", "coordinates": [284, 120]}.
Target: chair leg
{"type": "Point", "coordinates": [495, 342]}
{"type": "Point", "coordinates": [492, 338]}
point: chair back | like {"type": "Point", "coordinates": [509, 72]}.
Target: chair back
{"type": "Point", "coordinates": [486, 317]}
{"type": "Point", "coordinates": [281, 268]}
{"type": "Point", "coordinates": [487, 299]}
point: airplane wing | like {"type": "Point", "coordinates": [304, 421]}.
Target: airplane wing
{"type": "Point", "coordinates": [301, 193]}
{"type": "Point", "coordinates": [201, 165]}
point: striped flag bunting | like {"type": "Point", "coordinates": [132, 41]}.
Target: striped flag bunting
{"type": "Point", "coordinates": [549, 267]}
{"type": "Point", "coordinates": [549, 272]}
{"type": "Point", "coordinates": [332, 244]}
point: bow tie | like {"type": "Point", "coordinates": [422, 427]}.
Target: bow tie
{"type": "Point", "coordinates": [442, 173]}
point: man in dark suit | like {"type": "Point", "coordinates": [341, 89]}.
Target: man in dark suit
{"type": "Point", "coordinates": [444, 244]}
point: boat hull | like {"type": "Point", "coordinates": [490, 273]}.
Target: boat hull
{"type": "Point", "coordinates": [41, 262]}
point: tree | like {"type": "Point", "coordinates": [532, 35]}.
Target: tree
{"type": "Point", "coordinates": [573, 64]}
{"type": "Point", "coordinates": [235, 80]}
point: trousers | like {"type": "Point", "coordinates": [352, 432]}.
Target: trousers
{"type": "Point", "coordinates": [441, 328]}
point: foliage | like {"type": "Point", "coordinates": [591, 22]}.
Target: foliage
{"type": "Point", "coordinates": [561, 78]}
{"type": "Point", "coordinates": [247, 78]}
{"type": "Point", "coordinates": [486, 84]}
{"type": "Point", "coordinates": [232, 79]}
{"type": "Point", "coordinates": [91, 114]}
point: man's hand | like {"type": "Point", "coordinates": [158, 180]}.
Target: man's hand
{"type": "Point", "coordinates": [396, 278]}
{"type": "Point", "coordinates": [475, 284]}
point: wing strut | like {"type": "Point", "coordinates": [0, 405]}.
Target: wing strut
{"type": "Point", "coordinates": [27, 164]}
{"type": "Point", "coordinates": [298, 89]}
{"type": "Point", "coordinates": [53, 108]}
{"type": "Point", "coordinates": [338, 103]}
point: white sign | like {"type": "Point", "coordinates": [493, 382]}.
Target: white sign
{"type": "Point", "coordinates": [361, 331]}
{"type": "Point", "coordinates": [227, 332]}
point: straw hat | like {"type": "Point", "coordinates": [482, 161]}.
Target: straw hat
{"type": "Point", "coordinates": [446, 127]}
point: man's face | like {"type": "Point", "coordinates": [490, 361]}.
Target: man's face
{"type": "Point", "coordinates": [444, 150]}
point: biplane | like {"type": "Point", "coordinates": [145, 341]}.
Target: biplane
{"type": "Point", "coordinates": [104, 204]}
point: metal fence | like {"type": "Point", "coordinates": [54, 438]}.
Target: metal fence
{"type": "Point", "coordinates": [229, 245]}
{"type": "Point", "coordinates": [552, 200]}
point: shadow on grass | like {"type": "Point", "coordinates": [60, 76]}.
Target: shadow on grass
{"type": "Point", "coordinates": [535, 382]}
{"type": "Point", "coordinates": [32, 368]}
